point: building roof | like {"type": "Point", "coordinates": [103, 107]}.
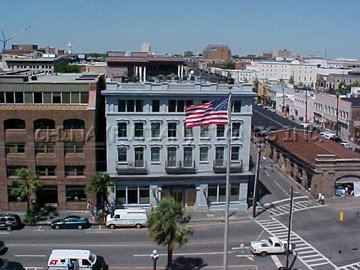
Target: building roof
{"type": "Point", "coordinates": [307, 145]}
{"type": "Point", "coordinates": [67, 78]}
{"type": "Point", "coordinates": [45, 107]}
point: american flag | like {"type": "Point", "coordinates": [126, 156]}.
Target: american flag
{"type": "Point", "coordinates": [204, 114]}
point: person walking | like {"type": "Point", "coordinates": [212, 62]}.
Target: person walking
{"type": "Point", "coordinates": [322, 199]}
{"type": "Point", "coordinates": [319, 197]}
{"type": "Point", "coordinates": [88, 208]}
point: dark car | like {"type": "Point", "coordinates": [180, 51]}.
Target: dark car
{"type": "Point", "coordinates": [71, 222]}
{"type": "Point", "coordinates": [10, 222]}
{"type": "Point", "coordinates": [9, 265]}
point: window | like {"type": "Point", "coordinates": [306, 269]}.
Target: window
{"type": "Point", "coordinates": [14, 148]}
{"type": "Point", "coordinates": [11, 170]}
{"type": "Point", "coordinates": [139, 130]}
{"type": "Point", "coordinates": [235, 133]}
{"type": "Point", "coordinates": [56, 97]}
{"type": "Point", "coordinates": [172, 130]}
{"type": "Point", "coordinates": [19, 97]}
{"type": "Point", "coordinates": [41, 147]}
{"type": "Point", "coordinates": [122, 130]}
{"type": "Point", "coordinates": [155, 154]}
{"type": "Point", "coordinates": [76, 147]}
{"type": "Point", "coordinates": [14, 124]}
{"type": "Point", "coordinates": [217, 193]}
{"type": "Point", "coordinates": [2, 97]}
{"type": "Point", "coordinates": [130, 105]}
{"type": "Point", "coordinates": [236, 106]}
{"type": "Point", "coordinates": [44, 124]}
{"type": "Point", "coordinates": [75, 97]}
{"type": "Point", "coordinates": [120, 195]}
{"type": "Point", "coordinates": [188, 132]}
{"type": "Point", "coordinates": [235, 150]}
{"type": "Point", "coordinates": [65, 97]}
{"type": "Point", "coordinates": [155, 130]}
{"type": "Point", "coordinates": [171, 156]}
{"type": "Point", "coordinates": [204, 132]}
{"type": "Point", "coordinates": [74, 124]}
{"type": "Point", "coordinates": [13, 198]}
{"type": "Point", "coordinates": [144, 195]}
{"type": "Point", "coordinates": [47, 97]}
{"type": "Point", "coordinates": [220, 131]}
{"type": "Point", "coordinates": [9, 97]}
{"type": "Point", "coordinates": [219, 155]}
{"type": "Point", "coordinates": [139, 157]}
{"type": "Point", "coordinates": [74, 171]}
{"type": "Point", "coordinates": [84, 97]}
{"type": "Point", "coordinates": [156, 105]}
{"type": "Point", "coordinates": [212, 193]}
{"type": "Point", "coordinates": [188, 162]}
{"type": "Point", "coordinates": [132, 195]}
{"type": "Point", "coordinates": [172, 106]}
{"type": "Point", "coordinates": [234, 192]}
{"type": "Point", "coordinates": [204, 153]}
{"type": "Point", "coordinates": [75, 193]}
{"type": "Point", "coordinates": [122, 154]}
{"type": "Point", "coordinates": [45, 170]}
{"type": "Point", "coordinates": [37, 97]}
{"type": "Point", "coordinates": [178, 105]}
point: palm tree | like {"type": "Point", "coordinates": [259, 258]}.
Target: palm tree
{"type": "Point", "coordinates": [26, 186]}
{"type": "Point", "coordinates": [99, 184]}
{"type": "Point", "coordinates": [166, 226]}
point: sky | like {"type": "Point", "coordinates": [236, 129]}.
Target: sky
{"type": "Point", "coordinates": [306, 27]}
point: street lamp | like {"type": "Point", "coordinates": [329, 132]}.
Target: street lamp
{"type": "Point", "coordinates": [154, 256]}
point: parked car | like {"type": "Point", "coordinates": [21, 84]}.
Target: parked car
{"type": "Point", "coordinates": [336, 139]}
{"type": "Point", "coordinates": [346, 144]}
{"type": "Point", "coordinates": [10, 222]}
{"type": "Point", "coordinates": [2, 247]}
{"type": "Point", "coordinates": [71, 222]}
{"type": "Point", "coordinates": [9, 265]}
{"type": "Point", "coordinates": [273, 245]}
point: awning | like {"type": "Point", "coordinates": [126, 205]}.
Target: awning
{"type": "Point", "coordinates": [348, 179]}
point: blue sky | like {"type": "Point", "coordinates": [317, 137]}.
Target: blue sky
{"type": "Point", "coordinates": [248, 27]}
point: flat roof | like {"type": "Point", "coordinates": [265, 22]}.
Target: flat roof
{"type": "Point", "coordinates": [307, 145]}
{"type": "Point", "coordinates": [67, 78]}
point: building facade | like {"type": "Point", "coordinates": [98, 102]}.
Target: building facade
{"type": "Point", "coordinates": [150, 153]}
{"type": "Point", "coordinates": [217, 53]}
{"type": "Point", "coordinates": [50, 126]}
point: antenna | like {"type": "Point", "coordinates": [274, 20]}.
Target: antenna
{"type": "Point", "coordinates": [4, 40]}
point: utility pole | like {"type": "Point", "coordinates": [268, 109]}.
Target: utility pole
{"type": "Point", "coordinates": [337, 114]}
{"type": "Point", "coordinates": [255, 181]}
{"type": "Point", "coordinates": [289, 229]}
{"type": "Point", "coordinates": [283, 100]}
{"type": "Point", "coordinates": [306, 105]}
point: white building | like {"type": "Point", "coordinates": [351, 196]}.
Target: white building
{"type": "Point", "coordinates": [150, 153]}
{"type": "Point", "coordinates": [239, 75]}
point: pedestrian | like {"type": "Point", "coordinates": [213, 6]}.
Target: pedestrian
{"type": "Point", "coordinates": [346, 191]}
{"type": "Point", "coordinates": [343, 194]}
{"type": "Point", "coordinates": [322, 199]}
{"type": "Point", "coordinates": [319, 197]}
{"type": "Point", "coordinates": [88, 208]}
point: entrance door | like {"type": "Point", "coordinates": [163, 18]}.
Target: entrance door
{"type": "Point", "coordinates": [179, 197]}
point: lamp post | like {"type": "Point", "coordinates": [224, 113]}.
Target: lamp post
{"type": "Point", "coordinates": [154, 256]}
{"type": "Point", "coordinates": [289, 229]}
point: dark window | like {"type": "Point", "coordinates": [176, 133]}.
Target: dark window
{"type": "Point", "coordinates": [212, 193]}
{"type": "Point", "coordinates": [2, 97]}
{"type": "Point", "coordinates": [122, 154]}
{"type": "Point", "coordinates": [188, 132]}
{"type": "Point", "coordinates": [11, 170]}
{"type": "Point", "coordinates": [237, 106]}
{"type": "Point", "coordinates": [144, 195]}
{"type": "Point", "coordinates": [14, 124]}
{"type": "Point", "coordinates": [172, 106]}
{"type": "Point", "coordinates": [9, 97]}
{"type": "Point", "coordinates": [74, 124]}
{"type": "Point", "coordinates": [75, 147]}
{"type": "Point", "coordinates": [45, 170]}
{"type": "Point", "coordinates": [139, 105]}
{"type": "Point", "coordinates": [139, 130]}
{"type": "Point", "coordinates": [37, 97]}
{"type": "Point", "coordinates": [156, 105]}
{"type": "Point", "coordinates": [44, 124]}
{"type": "Point", "coordinates": [122, 106]}
{"type": "Point", "coordinates": [19, 97]}
{"type": "Point", "coordinates": [132, 195]}
{"type": "Point", "coordinates": [180, 106]}
{"type": "Point", "coordinates": [84, 97]}
{"type": "Point", "coordinates": [188, 102]}
{"type": "Point", "coordinates": [155, 130]}
{"type": "Point", "coordinates": [130, 106]}
{"type": "Point", "coordinates": [235, 130]}
{"type": "Point", "coordinates": [74, 171]}
{"type": "Point", "coordinates": [172, 130]}
{"type": "Point", "coordinates": [13, 198]}
{"type": "Point", "coordinates": [120, 195]}
{"type": "Point", "coordinates": [14, 148]}
{"type": "Point", "coordinates": [56, 98]}
{"type": "Point", "coordinates": [44, 147]}
{"type": "Point", "coordinates": [220, 131]}
{"type": "Point", "coordinates": [234, 193]}
{"type": "Point", "coordinates": [122, 130]}
{"type": "Point", "coordinates": [75, 193]}
{"type": "Point", "coordinates": [235, 152]}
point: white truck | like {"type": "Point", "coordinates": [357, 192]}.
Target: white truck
{"type": "Point", "coordinates": [131, 217]}
{"type": "Point", "coordinates": [75, 259]}
{"type": "Point", "coordinates": [273, 245]}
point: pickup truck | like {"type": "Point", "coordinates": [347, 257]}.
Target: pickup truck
{"type": "Point", "coordinates": [273, 245]}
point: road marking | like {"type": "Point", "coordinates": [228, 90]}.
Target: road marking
{"type": "Point", "coordinates": [39, 229]}
{"type": "Point", "coordinates": [4, 232]}
{"type": "Point", "coordinates": [33, 267]}
{"type": "Point", "coordinates": [184, 254]}
{"type": "Point", "coordinates": [23, 255]}
{"type": "Point", "coordinates": [351, 266]}
{"type": "Point", "coordinates": [98, 231]}
{"type": "Point", "coordinates": [276, 261]}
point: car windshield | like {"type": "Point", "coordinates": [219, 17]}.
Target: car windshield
{"type": "Point", "coordinates": [92, 258]}
{"type": "Point", "coordinates": [270, 242]}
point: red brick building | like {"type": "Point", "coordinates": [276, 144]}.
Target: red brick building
{"type": "Point", "coordinates": [54, 126]}
{"type": "Point", "coordinates": [316, 163]}
{"type": "Point", "coordinates": [217, 53]}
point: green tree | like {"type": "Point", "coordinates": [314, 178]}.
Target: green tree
{"type": "Point", "coordinates": [66, 68]}
{"type": "Point", "coordinates": [25, 186]}
{"type": "Point", "coordinates": [291, 80]}
{"type": "Point", "coordinates": [99, 184]}
{"type": "Point", "coordinates": [256, 85]}
{"type": "Point", "coordinates": [167, 226]}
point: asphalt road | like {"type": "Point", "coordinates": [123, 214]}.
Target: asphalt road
{"type": "Point", "coordinates": [131, 248]}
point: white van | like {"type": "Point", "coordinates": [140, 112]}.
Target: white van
{"type": "Point", "coordinates": [75, 259]}
{"type": "Point", "coordinates": [127, 218]}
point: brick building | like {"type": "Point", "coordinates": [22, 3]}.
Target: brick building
{"type": "Point", "coordinates": [315, 163]}
{"type": "Point", "coordinates": [50, 126]}
{"type": "Point", "coordinates": [217, 53]}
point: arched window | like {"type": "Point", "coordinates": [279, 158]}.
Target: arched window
{"type": "Point", "coordinates": [14, 124]}
{"type": "Point", "coordinates": [44, 124]}
{"type": "Point", "coordinates": [74, 124]}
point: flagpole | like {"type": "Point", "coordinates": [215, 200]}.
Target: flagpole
{"type": "Point", "coordinates": [226, 229]}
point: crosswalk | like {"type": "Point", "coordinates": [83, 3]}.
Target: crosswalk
{"type": "Point", "coordinates": [307, 254]}
{"type": "Point", "coordinates": [278, 209]}
{"type": "Point", "coordinates": [353, 266]}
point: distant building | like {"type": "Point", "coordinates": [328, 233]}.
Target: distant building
{"type": "Point", "coordinates": [217, 53]}
{"type": "Point", "coordinates": [54, 126]}
{"type": "Point", "coordinates": [141, 66]}
{"type": "Point", "coordinates": [188, 54]}
{"type": "Point", "coordinates": [332, 81]}
{"type": "Point", "coordinates": [150, 153]}
{"type": "Point", "coordinates": [284, 54]}
{"type": "Point", "coordinates": [21, 49]}
{"type": "Point", "coordinates": [32, 65]}
{"type": "Point", "coordinates": [146, 47]}
{"type": "Point", "coordinates": [93, 67]}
